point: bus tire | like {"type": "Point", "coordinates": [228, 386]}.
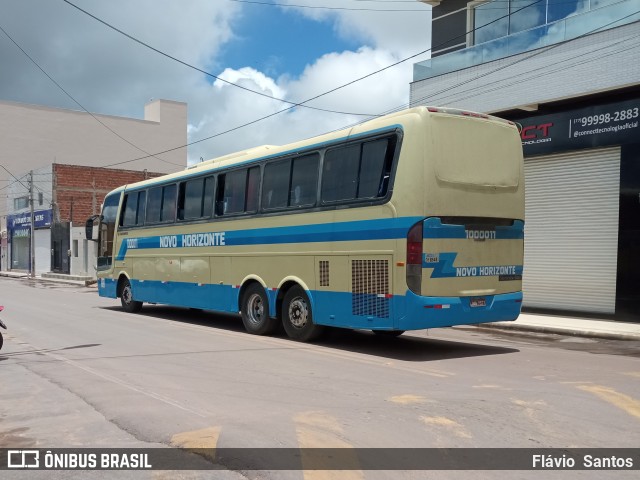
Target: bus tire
{"type": "Point", "coordinates": [297, 317]}
{"type": "Point", "coordinates": [388, 333]}
{"type": "Point", "coordinates": [126, 298]}
{"type": "Point", "coordinates": [255, 311]}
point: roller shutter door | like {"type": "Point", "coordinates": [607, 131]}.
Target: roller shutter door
{"type": "Point", "coordinates": [571, 230]}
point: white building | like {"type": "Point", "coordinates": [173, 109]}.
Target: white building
{"type": "Point", "coordinates": [569, 73]}
{"type": "Point", "coordinates": [37, 138]}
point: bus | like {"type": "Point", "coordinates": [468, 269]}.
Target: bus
{"type": "Point", "coordinates": [409, 221]}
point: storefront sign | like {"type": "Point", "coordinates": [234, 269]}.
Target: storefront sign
{"type": "Point", "coordinates": [596, 126]}
{"type": "Point", "coordinates": [42, 218]}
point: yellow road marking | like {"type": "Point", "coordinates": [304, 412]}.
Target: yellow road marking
{"type": "Point", "coordinates": [408, 399]}
{"type": "Point", "coordinates": [202, 442]}
{"type": "Point", "coordinates": [448, 424]}
{"type": "Point", "coordinates": [320, 430]}
{"type": "Point", "coordinates": [620, 400]}
{"type": "Point", "coordinates": [497, 387]}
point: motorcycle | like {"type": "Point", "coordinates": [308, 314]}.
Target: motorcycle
{"type": "Point", "coordinates": [3, 326]}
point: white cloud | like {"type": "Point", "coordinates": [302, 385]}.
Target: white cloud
{"type": "Point", "coordinates": [109, 73]}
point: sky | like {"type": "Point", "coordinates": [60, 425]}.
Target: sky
{"type": "Point", "coordinates": [290, 53]}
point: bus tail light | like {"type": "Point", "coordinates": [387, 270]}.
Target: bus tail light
{"type": "Point", "coordinates": [414, 258]}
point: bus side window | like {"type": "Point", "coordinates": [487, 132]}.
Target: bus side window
{"type": "Point", "coordinates": [128, 214]}
{"type": "Point", "coordinates": [133, 209]}
{"type": "Point", "coordinates": [142, 207]}
{"type": "Point", "coordinates": [340, 173]}
{"type": "Point", "coordinates": [275, 185]}
{"type": "Point", "coordinates": [231, 192]}
{"type": "Point", "coordinates": [190, 199]}
{"type": "Point", "coordinates": [168, 211]}
{"type": "Point", "coordinates": [253, 189]}
{"type": "Point", "coordinates": [208, 197]}
{"type": "Point", "coordinates": [153, 205]}
{"type": "Point", "coordinates": [304, 181]}
{"type": "Point", "coordinates": [374, 171]}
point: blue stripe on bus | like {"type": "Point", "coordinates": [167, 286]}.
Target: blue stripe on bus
{"type": "Point", "coordinates": [384, 229]}
{"type": "Point", "coordinates": [435, 229]}
{"type": "Point", "coordinates": [403, 312]}
{"type": "Point", "coordinates": [381, 229]}
{"type": "Point", "coordinates": [442, 265]}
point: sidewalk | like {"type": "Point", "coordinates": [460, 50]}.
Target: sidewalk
{"type": "Point", "coordinates": [526, 322]}
{"type": "Point", "coordinates": [567, 325]}
{"type": "Point", "coordinates": [54, 278]}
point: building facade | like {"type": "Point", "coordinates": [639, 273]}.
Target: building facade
{"type": "Point", "coordinates": [64, 197]}
{"type": "Point", "coordinates": [569, 73]}
{"type": "Point", "coordinates": [66, 154]}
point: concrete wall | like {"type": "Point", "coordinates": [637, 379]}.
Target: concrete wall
{"type": "Point", "coordinates": [34, 136]}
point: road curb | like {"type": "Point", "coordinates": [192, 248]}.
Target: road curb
{"type": "Point", "coordinates": [573, 332]}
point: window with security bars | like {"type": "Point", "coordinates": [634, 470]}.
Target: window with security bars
{"type": "Point", "coordinates": [370, 288]}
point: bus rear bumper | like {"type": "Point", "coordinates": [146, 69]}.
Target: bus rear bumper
{"type": "Point", "coordinates": [431, 312]}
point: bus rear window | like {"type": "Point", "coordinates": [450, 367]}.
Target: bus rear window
{"type": "Point", "coordinates": [476, 152]}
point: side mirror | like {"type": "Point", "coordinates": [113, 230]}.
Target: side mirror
{"type": "Point", "coordinates": [88, 226]}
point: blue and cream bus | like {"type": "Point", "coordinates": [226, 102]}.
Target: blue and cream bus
{"type": "Point", "coordinates": [409, 221]}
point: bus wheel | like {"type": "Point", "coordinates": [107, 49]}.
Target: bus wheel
{"type": "Point", "coordinates": [297, 318]}
{"type": "Point", "coordinates": [388, 333]}
{"type": "Point", "coordinates": [255, 311]}
{"type": "Point", "coordinates": [126, 298]}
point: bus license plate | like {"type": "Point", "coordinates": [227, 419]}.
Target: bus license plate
{"type": "Point", "coordinates": [478, 302]}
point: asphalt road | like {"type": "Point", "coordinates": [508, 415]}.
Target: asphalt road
{"type": "Point", "coordinates": [77, 371]}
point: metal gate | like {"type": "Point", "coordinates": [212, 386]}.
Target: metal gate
{"type": "Point", "coordinates": [571, 230]}
{"type": "Point", "coordinates": [60, 245]}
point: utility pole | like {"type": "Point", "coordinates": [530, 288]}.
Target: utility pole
{"type": "Point", "coordinates": [33, 217]}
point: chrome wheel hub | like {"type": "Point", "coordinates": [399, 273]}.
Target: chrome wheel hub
{"type": "Point", "coordinates": [298, 312]}
{"type": "Point", "coordinates": [255, 309]}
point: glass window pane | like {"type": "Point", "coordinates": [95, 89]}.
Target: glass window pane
{"type": "Point", "coordinates": [559, 9]}
{"type": "Point", "coordinates": [142, 205]}
{"type": "Point", "coordinates": [275, 186]}
{"type": "Point", "coordinates": [491, 21]}
{"type": "Point", "coordinates": [304, 181]}
{"type": "Point", "coordinates": [340, 173]}
{"type": "Point", "coordinates": [193, 196]}
{"type": "Point", "coordinates": [168, 213]}
{"type": "Point", "coordinates": [372, 168]}
{"type": "Point", "coordinates": [110, 208]}
{"type": "Point", "coordinates": [601, 3]}
{"type": "Point", "coordinates": [235, 185]}
{"type": "Point", "coordinates": [253, 189]}
{"type": "Point", "coordinates": [130, 209]}
{"type": "Point", "coordinates": [207, 207]}
{"type": "Point", "coordinates": [526, 14]}
{"type": "Point", "coordinates": [154, 204]}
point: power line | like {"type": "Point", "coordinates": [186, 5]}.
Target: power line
{"type": "Point", "coordinates": [204, 72]}
{"type": "Point", "coordinates": [319, 7]}
{"type": "Point", "coordinates": [423, 99]}
{"type": "Point", "coordinates": [322, 94]}
{"type": "Point", "coordinates": [80, 105]}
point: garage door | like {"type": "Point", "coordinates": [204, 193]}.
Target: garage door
{"type": "Point", "coordinates": [571, 230]}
